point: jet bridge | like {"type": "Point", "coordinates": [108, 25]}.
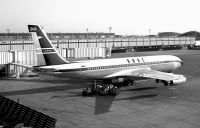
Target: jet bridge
{"type": "Point", "coordinates": [18, 70]}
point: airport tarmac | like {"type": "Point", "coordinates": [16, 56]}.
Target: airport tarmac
{"type": "Point", "coordinates": [148, 105]}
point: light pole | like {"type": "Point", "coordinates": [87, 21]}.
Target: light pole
{"type": "Point", "coordinates": [8, 31]}
{"type": "Point", "coordinates": [149, 32]}
{"type": "Point", "coordinates": [149, 37]}
{"type": "Point", "coordinates": [110, 28]}
{"type": "Point", "coordinates": [87, 32]}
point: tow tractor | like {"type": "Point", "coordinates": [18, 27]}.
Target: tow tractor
{"type": "Point", "coordinates": [101, 89]}
{"type": "Point", "coordinates": [106, 87]}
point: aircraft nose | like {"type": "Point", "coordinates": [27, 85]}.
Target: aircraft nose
{"type": "Point", "coordinates": [178, 65]}
{"type": "Point", "coordinates": [181, 63]}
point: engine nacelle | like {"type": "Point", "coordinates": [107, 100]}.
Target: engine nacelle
{"type": "Point", "coordinates": [180, 80]}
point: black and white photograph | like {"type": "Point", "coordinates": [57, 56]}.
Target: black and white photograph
{"type": "Point", "coordinates": [99, 64]}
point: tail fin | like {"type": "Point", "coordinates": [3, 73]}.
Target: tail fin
{"type": "Point", "coordinates": [46, 49]}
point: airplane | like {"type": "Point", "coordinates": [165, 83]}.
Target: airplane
{"type": "Point", "coordinates": [109, 71]}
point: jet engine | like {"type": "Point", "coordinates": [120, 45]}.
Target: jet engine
{"type": "Point", "coordinates": [180, 80]}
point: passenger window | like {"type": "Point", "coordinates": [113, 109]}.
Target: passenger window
{"type": "Point", "coordinates": [143, 59]}
{"type": "Point", "coordinates": [138, 60]}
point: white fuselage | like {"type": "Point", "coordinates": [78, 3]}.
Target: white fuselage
{"type": "Point", "coordinates": [99, 69]}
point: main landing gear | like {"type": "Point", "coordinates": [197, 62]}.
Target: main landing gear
{"type": "Point", "coordinates": [101, 89]}
{"type": "Point", "coordinates": [130, 82]}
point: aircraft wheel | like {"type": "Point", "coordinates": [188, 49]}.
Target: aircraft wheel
{"type": "Point", "coordinates": [166, 83]}
{"type": "Point", "coordinates": [104, 90]}
{"type": "Point", "coordinates": [86, 92]}
{"type": "Point", "coordinates": [131, 83]}
{"type": "Point", "coordinates": [157, 81]}
{"type": "Point", "coordinates": [115, 91]}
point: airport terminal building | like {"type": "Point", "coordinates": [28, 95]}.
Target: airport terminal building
{"type": "Point", "coordinates": [53, 36]}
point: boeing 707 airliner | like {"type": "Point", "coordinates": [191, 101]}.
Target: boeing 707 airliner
{"type": "Point", "coordinates": [125, 70]}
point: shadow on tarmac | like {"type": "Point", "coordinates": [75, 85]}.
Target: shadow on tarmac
{"type": "Point", "coordinates": [37, 80]}
{"type": "Point", "coordinates": [138, 97]}
{"type": "Point", "coordinates": [40, 90]}
{"type": "Point", "coordinates": [102, 103]}
{"type": "Point", "coordinates": [141, 88]}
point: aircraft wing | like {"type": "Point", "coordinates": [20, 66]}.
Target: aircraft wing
{"type": "Point", "coordinates": [147, 73]}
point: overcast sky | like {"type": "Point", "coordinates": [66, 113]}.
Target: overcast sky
{"type": "Point", "coordinates": [124, 16]}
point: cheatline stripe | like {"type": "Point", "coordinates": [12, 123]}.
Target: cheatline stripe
{"type": "Point", "coordinates": [47, 53]}
{"type": "Point", "coordinates": [113, 66]}
{"type": "Point", "coordinates": [45, 48]}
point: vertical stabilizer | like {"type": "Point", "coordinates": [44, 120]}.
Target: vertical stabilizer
{"type": "Point", "coordinates": [45, 48]}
